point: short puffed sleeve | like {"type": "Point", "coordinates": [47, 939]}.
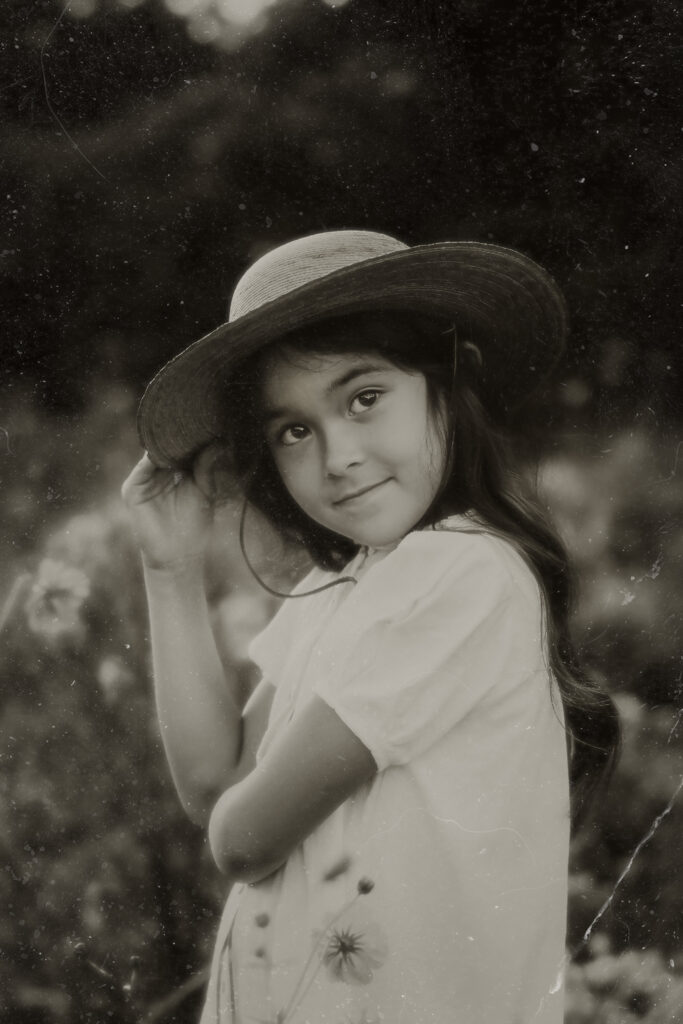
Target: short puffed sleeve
{"type": "Point", "coordinates": [428, 634]}
{"type": "Point", "coordinates": [274, 647]}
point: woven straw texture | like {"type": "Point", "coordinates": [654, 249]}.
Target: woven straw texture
{"type": "Point", "coordinates": [498, 298]}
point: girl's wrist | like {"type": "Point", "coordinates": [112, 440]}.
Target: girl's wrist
{"type": "Point", "coordinates": [173, 566]}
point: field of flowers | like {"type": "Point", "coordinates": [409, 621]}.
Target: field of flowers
{"type": "Point", "coordinates": [110, 897]}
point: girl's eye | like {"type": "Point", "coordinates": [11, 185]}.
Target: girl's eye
{"type": "Point", "coordinates": [365, 400]}
{"type": "Point", "coordinates": [290, 435]}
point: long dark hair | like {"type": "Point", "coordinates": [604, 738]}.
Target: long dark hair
{"type": "Point", "coordinates": [483, 477]}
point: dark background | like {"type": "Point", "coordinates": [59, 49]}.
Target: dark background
{"type": "Point", "coordinates": [150, 150]}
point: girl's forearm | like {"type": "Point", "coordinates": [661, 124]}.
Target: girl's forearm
{"type": "Point", "coordinates": [199, 714]}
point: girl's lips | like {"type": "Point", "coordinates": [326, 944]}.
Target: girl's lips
{"type": "Point", "coordinates": [359, 493]}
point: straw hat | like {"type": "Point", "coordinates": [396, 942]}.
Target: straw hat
{"type": "Point", "coordinates": [498, 299]}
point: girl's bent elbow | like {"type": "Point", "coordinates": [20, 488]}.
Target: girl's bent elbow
{"type": "Point", "coordinates": [241, 866]}
{"type": "Point", "coordinates": [237, 854]}
{"type": "Point", "coordinates": [227, 857]}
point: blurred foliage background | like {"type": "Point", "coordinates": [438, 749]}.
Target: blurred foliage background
{"type": "Point", "coordinates": [150, 149]}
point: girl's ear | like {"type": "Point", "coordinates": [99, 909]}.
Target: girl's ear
{"type": "Point", "coordinates": [472, 354]}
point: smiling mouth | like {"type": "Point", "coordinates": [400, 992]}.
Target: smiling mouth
{"type": "Point", "coordinates": [360, 493]}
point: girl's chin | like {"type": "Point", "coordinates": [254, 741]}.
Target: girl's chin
{"type": "Point", "coordinates": [380, 529]}
{"type": "Point", "coordinates": [367, 539]}
{"type": "Point", "coordinates": [376, 539]}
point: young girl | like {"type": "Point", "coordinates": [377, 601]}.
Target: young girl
{"type": "Point", "coordinates": [392, 805]}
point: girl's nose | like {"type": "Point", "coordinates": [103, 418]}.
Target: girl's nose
{"type": "Point", "coordinates": [341, 451]}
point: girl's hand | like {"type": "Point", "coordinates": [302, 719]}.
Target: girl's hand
{"type": "Point", "coordinates": [170, 512]}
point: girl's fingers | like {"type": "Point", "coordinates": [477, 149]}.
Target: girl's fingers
{"type": "Point", "coordinates": [170, 516]}
{"type": "Point", "coordinates": [146, 481]}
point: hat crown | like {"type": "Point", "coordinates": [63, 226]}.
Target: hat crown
{"type": "Point", "coordinates": [307, 259]}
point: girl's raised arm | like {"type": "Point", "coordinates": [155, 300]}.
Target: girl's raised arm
{"type": "Point", "coordinates": [209, 744]}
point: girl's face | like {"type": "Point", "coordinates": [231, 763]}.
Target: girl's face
{"type": "Point", "coordinates": [355, 441]}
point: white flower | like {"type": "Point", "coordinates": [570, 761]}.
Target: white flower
{"type": "Point", "coordinates": [353, 946]}
{"type": "Point", "coordinates": [54, 603]}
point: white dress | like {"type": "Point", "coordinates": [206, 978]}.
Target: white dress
{"type": "Point", "coordinates": [437, 893]}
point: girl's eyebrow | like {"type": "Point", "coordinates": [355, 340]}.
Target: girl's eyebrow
{"type": "Point", "coordinates": [354, 371]}
{"type": "Point", "coordinates": [359, 370]}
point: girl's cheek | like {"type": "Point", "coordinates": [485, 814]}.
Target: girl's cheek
{"type": "Point", "coordinates": [285, 459]}
{"type": "Point", "coordinates": [296, 457]}
{"type": "Point", "coordinates": [289, 471]}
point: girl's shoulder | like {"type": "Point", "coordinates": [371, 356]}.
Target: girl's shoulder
{"type": "Point", "coordinates": [462, 543]}
{"type": "Point", "coordinates": [456, 561]}
{"type": "Point", "coordinates": [456, 564]}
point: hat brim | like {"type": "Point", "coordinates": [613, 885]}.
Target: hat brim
{"type": "Point", "coordinates": [498, 298]}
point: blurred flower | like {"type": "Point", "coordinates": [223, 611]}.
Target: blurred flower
{"type": "Point", "coordinates": [91, 539]}
{"type": "Point", "coordinates": [616, 989]}
{"type": "Point", "coordinates": [113, 677]}
{"type": "Point", "coordinates": [54, 603]}
{"type": "Point", "coordinates": [602, 974]}
{"type": "Point", "coordinates": [227, 22]}
{"type": "Point", "coordinates": [580, 1003]}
